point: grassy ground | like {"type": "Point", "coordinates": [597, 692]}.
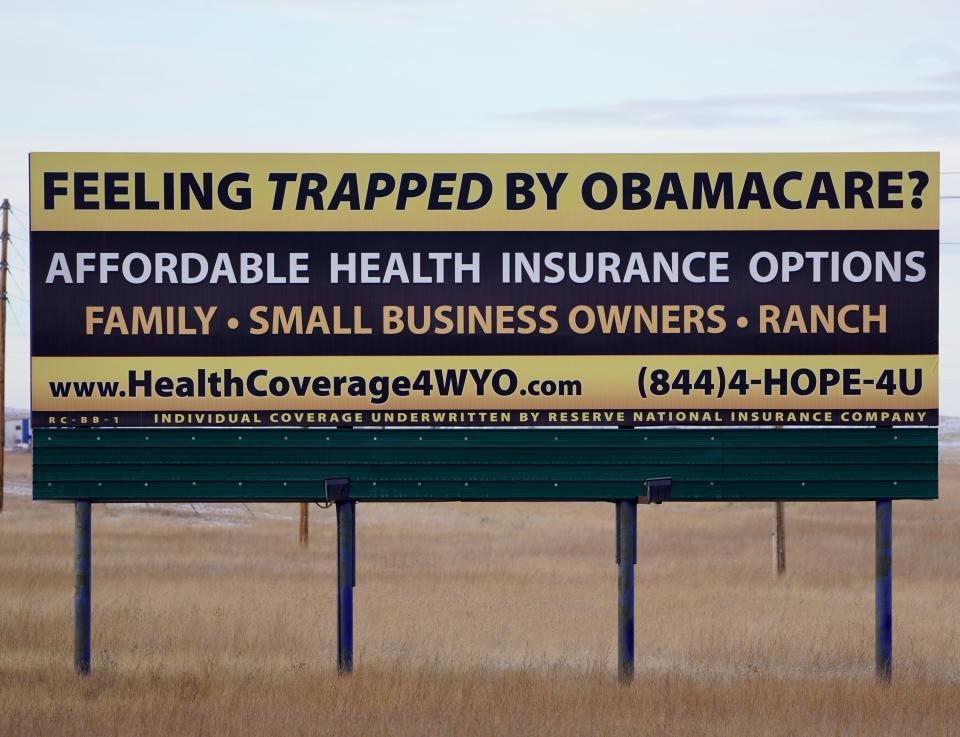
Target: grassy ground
{"type": "Point", "coordinates": [478, 619]}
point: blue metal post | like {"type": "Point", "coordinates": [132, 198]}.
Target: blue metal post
{"type": "Point", "coordinates": [626, 559]}
{"type": "Point", "coordinates": [346, 579]}
{"type": "Point", "coordinates": [884, 597]}
{"type": "Point", "coordinates": [81, 592]}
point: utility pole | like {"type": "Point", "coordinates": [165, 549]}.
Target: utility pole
{"type": "Point", "coordinates": [4, 239]}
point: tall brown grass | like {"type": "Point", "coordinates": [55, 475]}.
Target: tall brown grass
{"type": "Point", "coordinates": [479, 619]}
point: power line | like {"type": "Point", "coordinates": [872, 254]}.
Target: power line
{"type": "Point", "coordinates": [16, 284]}
{"type": "Point", "coordinates": [17, 237]}
{"type": "Point", "coordinates": [16, 217]}
{"type": "Point", "coordinates": [16, 319]}
{"type": "Point", "coordinates": [22, 261]}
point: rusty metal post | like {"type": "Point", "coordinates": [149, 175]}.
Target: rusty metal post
{"type": "Point", "coordinates": [626, 560]}
{"type": "Point", "coordinates": [81, 592]}
{"type": "Point", "coordinates": [346, 580]}
{"type": "Point", "coordinates": [304, 524]}
{"type": "Point", "coordinates": [779, 540]}
{"type": "Point", "coordinates": [884, 591]}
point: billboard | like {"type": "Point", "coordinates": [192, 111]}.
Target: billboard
{"type": "Point", "coordinates": [472, 289]}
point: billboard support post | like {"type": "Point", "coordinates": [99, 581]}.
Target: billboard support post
{"type": "Point", "coordinates": [81, 595]}
{"type": "Point", "coordinates": [626, 560]}
{"type": "Point", "coordinates": [346, 579]}
{"type": "Point", "coordinates": [884, 597]}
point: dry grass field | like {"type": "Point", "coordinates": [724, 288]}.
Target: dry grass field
{"type": "Point", "coordinates": [478, 620]}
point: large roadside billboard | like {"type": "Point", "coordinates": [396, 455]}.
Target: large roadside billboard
{"type": "Point", "coordinates": [449, 289]}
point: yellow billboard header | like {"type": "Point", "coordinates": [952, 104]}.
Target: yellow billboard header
{"type": "Point", "coordinates": [483, 192]}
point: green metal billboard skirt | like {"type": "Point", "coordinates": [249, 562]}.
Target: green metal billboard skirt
{"type": "Point", "coordinates": [159, 465]}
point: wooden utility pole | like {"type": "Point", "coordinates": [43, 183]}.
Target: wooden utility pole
{"type": "Point", "coordinates": [4, 239]}
{"type": "Point", "coordinates": [304, 524]}
{"type": "Point", "coordinates": [779, 540]}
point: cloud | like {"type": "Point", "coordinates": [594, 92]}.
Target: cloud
{"type": "Point", "coordinates": [951, 77]}
{"type": "Point", "coordinates": [932, 110]}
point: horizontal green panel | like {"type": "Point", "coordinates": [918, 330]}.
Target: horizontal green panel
{"type": "Point", "coordinates": [375, 455]}
{"type": "Point", "coordinates": [485, 472]}
{"type": "Point", "coordinates": [201, 455]}
{"type": "Point", "coordinates": [484, 491]}
{"type": "Point", "coordinates": [316, 438]}
{"type": "Point", "coordinates": [418, 465]}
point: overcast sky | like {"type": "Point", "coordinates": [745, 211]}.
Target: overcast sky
{"type": "Point", "coordinates": [429, 75]}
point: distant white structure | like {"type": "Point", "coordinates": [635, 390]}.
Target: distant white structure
{"type": "Point", "coordinates": [17, 434]}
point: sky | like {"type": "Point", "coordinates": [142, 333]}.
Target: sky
{"type": "Point", "coordinates": [434, 75]}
